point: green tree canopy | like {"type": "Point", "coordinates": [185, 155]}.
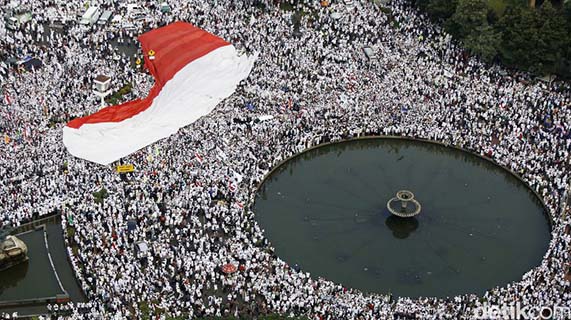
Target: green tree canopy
{"type": "Point", "coordinates": [519, 36]}
{"type": "Point", "coordinates": [441, 9]}
{"type": "Point", "coordinates": [469, 15]}
{"type": "Point", "coordinates": [483, 42]}
{"type": "Point", "coordinates": [553, 38]}
{"type": "Point", "coordinates": [536, 40]}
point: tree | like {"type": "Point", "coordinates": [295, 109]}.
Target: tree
{"type": "Point", "coordinates": [519, 37]}
{"type": "Point", "coordinates": [441, 9]}
{"type": "Point", "coordinates": [553, 38]}
{"type": "Point", "coordinates": [469, 15]}
{"type": "Point", "coordinates": [483, 42]}
{"type": "Point", "coordinates": [566, 65]}
{"type": "Point", "coordinates": [530, 39]}
{"type": "Point", "coordinates": [567, 11]}
{"type": "Point", "coordinates": [470, 24]}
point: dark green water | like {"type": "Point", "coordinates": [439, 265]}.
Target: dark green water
{"type": "Point", "coordinates": [480, 227]}
{"type": "Point", "coordinates": [36, 278]}
{"type": "Point", "coordinates": [33, 279]}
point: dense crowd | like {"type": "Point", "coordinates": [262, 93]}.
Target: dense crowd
{"type": "Point", "coordinates": [189, 198]}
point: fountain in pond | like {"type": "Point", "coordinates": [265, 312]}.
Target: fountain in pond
{"type": "Point", "coordinates": [404, 205]}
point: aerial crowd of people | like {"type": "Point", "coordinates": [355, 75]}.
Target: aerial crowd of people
{"type": "Point", "coordinates": [189, 199]}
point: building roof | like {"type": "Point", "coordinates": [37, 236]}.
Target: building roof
{"type": "Point", "coordinates": [102, 78]}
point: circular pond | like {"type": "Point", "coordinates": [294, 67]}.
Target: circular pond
{"type": "Point", "coordinates": [326, 211]}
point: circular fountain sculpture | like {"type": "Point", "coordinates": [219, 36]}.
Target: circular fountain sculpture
{"type": "Point", "coordinates": [404, 205]}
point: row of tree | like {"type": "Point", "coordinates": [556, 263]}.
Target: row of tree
{"type": "Point", "coordinates": [530, 38]}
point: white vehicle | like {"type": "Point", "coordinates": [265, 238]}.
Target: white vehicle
{"type": "Point", "coordinates": [370, 53]}
{"type": "Point", "coordinates": [335, 15]}
{"type": "Point", "coordinates": [165, 8]}
{"type": "Point", "coordinates": [138, 15]}
{"type": "Point", "coordinates": [265, 117]}
{"type": "Point", "coordinates": [116, 19]}
{"type": "Point", "coordinates": [16, 21]}
{"type": "Point", "coordinates": [141, 249]}
{"type": "Point", "coordinates": [135, 12]}
{"type": "Point", "coordinates": [133, 7]}
{"type": "Point", "coordinates": [12, 23]}
{"type": "Point", "coordinates": [105, 16]}
{"type": "Point", "coordinates": [128, 26]}
{"type": "Point", "coordinates": [89, 15]}
{"type": "Point", "coordinates": [95, 17]}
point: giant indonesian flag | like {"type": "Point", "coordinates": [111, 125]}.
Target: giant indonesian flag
{"type": "Point", "coordinates": [193, 70]}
